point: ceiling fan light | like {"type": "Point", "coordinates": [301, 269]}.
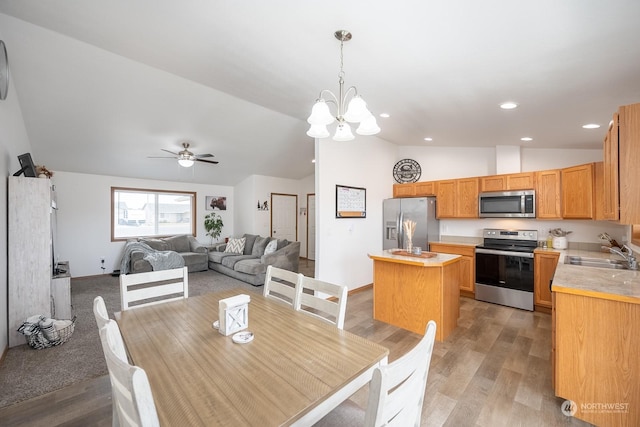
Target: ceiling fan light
{"type": "Point", "coordinates": [368, 126]}
{"type": "Point", "coordinates": [185, 163]}
{"type": "Point", "coordinates": [357, 110]}
{"type": "Point", "coordinates": [320, 114]}
{"type": "Point", "coordinates": [318, 131]}
{"type": "Point", "coordinates": [343, 133]}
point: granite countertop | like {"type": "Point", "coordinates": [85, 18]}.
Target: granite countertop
{"type": "Point", "coordinates": [606, 283]}
{"type": "Point", "coordinates": [438, 261]}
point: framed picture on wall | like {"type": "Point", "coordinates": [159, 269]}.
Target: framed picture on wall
{"type": "Point", "coordinates": [215, 202]}
{"type": "Point", "coordinates": [351, 202]}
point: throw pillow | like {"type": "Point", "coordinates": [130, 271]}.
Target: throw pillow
{"type": "Point", "coordinates": [271, 247]}
{"type": "Point", "coordinates": [235, 246]}
{"type": "Point", "coordinates": [259, 245]}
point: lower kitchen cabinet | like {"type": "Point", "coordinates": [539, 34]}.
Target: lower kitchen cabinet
{"type": "Point", "coordinates": [596, 350]}
{"type": "Point", "coordinates": [467, 264]}
{"type": "Point", "coordinates": [544, 267]}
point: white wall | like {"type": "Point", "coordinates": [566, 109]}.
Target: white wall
{"type": "Point", "coordinates": [84, 217]}
{"type": "Point", "coordinates": [343, 244]}
{"type": "Point", "coordinates": [448, 162]}
{"type": "Point", "coordinates": [13, 142]}
{"type": "Point", "coordinates": [535, 159]}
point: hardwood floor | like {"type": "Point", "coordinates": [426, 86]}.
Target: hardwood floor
{"type": "Point", "coordinates": [494, 370]}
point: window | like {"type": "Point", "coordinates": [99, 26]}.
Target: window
{"type": "Point", "coordinates": [151, 213]}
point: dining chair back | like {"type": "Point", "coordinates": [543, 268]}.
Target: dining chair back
{"type": "Point", "coordinates": [280, 285]}
{"type": "Point", "coordinates": [100, 311]}
{"type": "Point", "coordinates": [396, 391]}
{"type": "Point", "coordinates": [142, 289]}
{"type": "Point", "coordinates": [309, 300]}
{"type": "Point", "coordinates": [130, 386]}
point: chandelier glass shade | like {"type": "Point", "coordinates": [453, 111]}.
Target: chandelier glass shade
{"type": "Point", "coordinates": [355, 112]}
{"type": "Point", "coordinates": [186, 160]}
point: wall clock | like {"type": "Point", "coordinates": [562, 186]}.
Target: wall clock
{"type": "Point", "coordinates": [4, 71]}
{"type": "Point", "coordinates": [406, 170]}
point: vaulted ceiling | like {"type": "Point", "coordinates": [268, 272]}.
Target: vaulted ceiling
{"type": "Point", "coordinates": [103, 85]}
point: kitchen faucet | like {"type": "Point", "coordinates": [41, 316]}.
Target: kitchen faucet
{"type": "Point", "coordinates": [627, 256]}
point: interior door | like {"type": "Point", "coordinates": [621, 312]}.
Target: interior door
{"type": "Point", "coordinates": [284, 220]}
{"type": "Point", "coordinates": [311, 226]}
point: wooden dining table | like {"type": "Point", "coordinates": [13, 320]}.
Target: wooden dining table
{"type": "Point", "coordinates": [295, 370]}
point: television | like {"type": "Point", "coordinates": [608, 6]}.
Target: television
{"type": "Point", "coordinates": [26, 166]}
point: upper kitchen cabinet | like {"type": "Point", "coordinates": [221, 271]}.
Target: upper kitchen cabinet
{"type": "Point", "coordinates": [427, 188]}
{"type": "Point", "coordinates": [457, 198]}
{"type": "Point", "coordinates": [548, 194]}
{"type": "Point", "coordinates": [578, 192]}
{"type": "Point", "coordinates": [514, 181]}
{"type": "Point", "coordinates": [621, 171]}
{"type": "Point", "coordinates": [404, 190]}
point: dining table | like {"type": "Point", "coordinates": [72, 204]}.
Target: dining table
{"type": "Point", "coordinates": [295, 370]}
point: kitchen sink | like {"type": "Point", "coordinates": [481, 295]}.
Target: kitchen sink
{"type": "Point", "coordinates": [596, 262]}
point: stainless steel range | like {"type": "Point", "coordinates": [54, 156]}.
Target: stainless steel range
{"type": "Point", "coordinates": [504, 267]}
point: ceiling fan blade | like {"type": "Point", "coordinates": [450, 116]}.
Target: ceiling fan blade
{"type": "Point", "coordinates": [203, 155]}
{"type": "Point", "coordinates": [207, 161]}
{"type": "Point", "coordinates": [171, 152]}
{"type": "Point", "coordinates": [159, 157]}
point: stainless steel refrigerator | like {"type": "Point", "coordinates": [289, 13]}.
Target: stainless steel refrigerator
{"type": "Point", "coordinates": [422, 210]}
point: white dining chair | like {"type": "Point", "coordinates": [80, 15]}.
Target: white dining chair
{"type": "Point", "coordinates": [153, 287]}
{"type": "Point", "coordinates": [102, 317]}
{"type": "Point", "coordinates": [133, 399]}
{"type": "Point", "coordinates": [309, 300]}
{"type": "Point", "coordinates": [280, 285]}
{"type": "Point", "coordinates": [396, 391]}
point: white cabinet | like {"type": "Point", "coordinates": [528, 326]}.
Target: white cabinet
{"type": "Point", "coordinates": [29, 251]}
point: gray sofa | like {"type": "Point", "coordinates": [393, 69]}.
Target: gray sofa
{"type": "Point", "coordinates": [193, 252]}
{"type": "Point", "coordinates": [251, 265]}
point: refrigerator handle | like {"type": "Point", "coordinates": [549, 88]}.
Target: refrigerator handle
{"type": "Point", "coordinates": [400, 232]}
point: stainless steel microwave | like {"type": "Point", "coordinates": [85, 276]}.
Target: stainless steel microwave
{"type": "Point", "coordinates": [507, 204]}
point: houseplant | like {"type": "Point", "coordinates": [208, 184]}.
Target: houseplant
{"type": "Point", "coordinates": [213, 224]}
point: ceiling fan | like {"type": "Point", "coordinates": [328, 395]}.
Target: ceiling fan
{"type": "Point", "coordinates": [185, 157]}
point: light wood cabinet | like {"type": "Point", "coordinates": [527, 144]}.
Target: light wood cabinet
{"type": "Point", "coordinates": [544, 267]}
{"type": "Point", "coordinates": [578, 192]}
{"type": "Point", "coordinates": [404, 190]}
{"type": "Point", "coordinates": [628, 161]}
{"type": "Point", "coordinates": [598, 202]}
{"type": "Point", "coordinates": [458, 198]}
{"type": "Point", "coordinates": [425, 188]}
{"type": "Point", "coordinates": [597, 349]}
{"type": "Point", "coordinates": [548, 194]}
{"type": "Point", "coordinates": [514, 181]}
{"type": "Point", "coordinates": [467, 264]}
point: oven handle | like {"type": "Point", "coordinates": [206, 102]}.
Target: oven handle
{"type": "Point", "coordinates": [508, 253]}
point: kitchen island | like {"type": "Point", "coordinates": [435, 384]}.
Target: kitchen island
{"type": "Point", "coordinates": [408, 291]}
{"type": "Point", "coordinates": [596, 344]}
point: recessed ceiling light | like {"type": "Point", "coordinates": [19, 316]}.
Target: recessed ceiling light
{"type": "Point", "coordinates": [385, 115]}
{"type": "Point", "coordinates": [428, 139]}
{"type": "Point", "coordinates": [526, 138]}
{"type": "Point", "coordinates": [591, 126]}
{"type": "Point", "coordinates": [508, 105]}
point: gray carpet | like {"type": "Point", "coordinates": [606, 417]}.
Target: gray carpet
{"type": "Point", "coordinates": [27, 373]}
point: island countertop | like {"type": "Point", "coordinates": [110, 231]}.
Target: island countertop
{"type": "Point", "coordinates": [437, 261]}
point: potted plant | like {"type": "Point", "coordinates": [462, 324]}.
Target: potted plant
{"type": "Point", "coordinates": [213, 224]}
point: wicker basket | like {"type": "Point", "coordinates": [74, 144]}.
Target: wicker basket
{"type": "Point", "coordinates": [38, 340]}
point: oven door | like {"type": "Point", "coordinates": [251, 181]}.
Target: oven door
{"type": "Point", "coordinates": [505, 277]}
{"type": "Point", "coordinates": [505, 269]}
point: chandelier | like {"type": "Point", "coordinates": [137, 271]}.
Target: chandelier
{"type": "Point", "coordinates": [356, 111]}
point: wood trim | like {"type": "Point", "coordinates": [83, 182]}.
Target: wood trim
{"type": "Point", "coordinates": [595, 294]}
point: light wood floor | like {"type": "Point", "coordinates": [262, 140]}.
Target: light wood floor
{"type": "Point", "coordinates": [494, 370]}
